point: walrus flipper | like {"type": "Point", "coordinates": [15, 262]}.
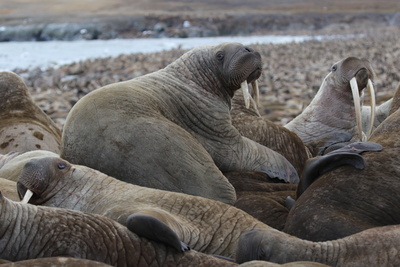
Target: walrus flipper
{"type": "Point", "coordinates": [316, 167]}
{"type": "Point", "coordinates": [356, 148]}
{"type": "Point", "coordinates": [152, 228]}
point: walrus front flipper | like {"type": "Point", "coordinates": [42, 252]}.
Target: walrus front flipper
{"type": "Point", "coordinates": [154, 229]}
{"type": "Point", "coordinates": [315, 167]}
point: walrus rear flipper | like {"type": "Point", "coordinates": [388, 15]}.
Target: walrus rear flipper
{"type": "Point", "coordinates": [152, 228]}
{"type": "Point", "coordinates": [318, 166]}
{"type": "Point", "coordinates": [346, 155]}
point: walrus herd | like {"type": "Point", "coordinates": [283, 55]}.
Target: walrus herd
{"type": "Point", "coordinates": [178, 168]}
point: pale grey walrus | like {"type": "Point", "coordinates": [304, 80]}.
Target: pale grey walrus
{"type": "Point", "coordinates": [334, 114]}
{"type": "Point", "coordinates": [23, 125]}
{"type": "Point", "coordinates": [29, 232]}
{"type": "Point", "coordinates": [172, 129]}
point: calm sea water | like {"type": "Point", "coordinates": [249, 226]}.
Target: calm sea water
{"type": "Point", "coordinates": [55, 53]}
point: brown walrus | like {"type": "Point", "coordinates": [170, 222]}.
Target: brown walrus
{"type": "Point", "coordinates": [30, 232]}
{"type": "Point", "coordinates": [23, 125]}
{"type": "Point", "coordinates": [172, 129]}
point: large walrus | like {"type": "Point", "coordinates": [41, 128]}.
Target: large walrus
{"type": "Point", "coordinates": [172, 129]}
{"type": "Point", "coordinates": [23, 125]}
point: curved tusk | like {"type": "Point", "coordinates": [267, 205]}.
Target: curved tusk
{"type": "Point", "coordinates": [27, 196]}
{"type": "Point", "coordinates": [246, 94]}
{"type": "Point", "coordinates": [357, 106]}
{"type": "Point", "coordinates": [256, 92]}
{"type": "Point", "coordinates": [373, 107]}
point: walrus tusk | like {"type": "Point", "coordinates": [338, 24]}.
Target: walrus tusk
{"type": "Point", "coordinates": [256, 92]}
{"type": "Point", "coordinates": [246, 94]}
{"type": "Point", "coordinates": [357, 106]}
{"type": "Point", "coordinates": [27, 196]}
{"type": "Point", "coordinates": [373, 107]}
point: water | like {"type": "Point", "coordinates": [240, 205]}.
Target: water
{"type": "Point", "coordinates": [55, 53]}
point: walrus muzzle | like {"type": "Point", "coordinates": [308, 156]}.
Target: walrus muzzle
{"type": "Point", "coordinates": [358, 79]}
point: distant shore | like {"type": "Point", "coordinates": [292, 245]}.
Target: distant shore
{"type": "Point", "coordinates": [167, 26]}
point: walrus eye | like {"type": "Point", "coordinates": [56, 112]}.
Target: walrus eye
{"type": "Point", "coordinates": [61, 165]}
{"type": "Point", "coordinates": [334, 68]}
{"type": "Point", "coordinates": [220, 56]}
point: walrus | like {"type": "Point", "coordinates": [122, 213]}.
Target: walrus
{"type": "Point", "coordinates": [334, 114]}
{"type": "Point", "coordinates": [180, 220]}
{"type": "Point", "coordinates": [347, 201]}
{"type": "Point", "coordinates": [171, 129]}
{"type": "Point", "coordinates": [31, 232]}
{"type": "Point", "coordinates": [23, 125]}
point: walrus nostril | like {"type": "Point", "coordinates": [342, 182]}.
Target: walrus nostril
{"type": "Point", "coordinates": [362, 77]}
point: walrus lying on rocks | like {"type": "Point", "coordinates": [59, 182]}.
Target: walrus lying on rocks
{"type": "Point", "coordinates": [172, 129]}
{"type": "Point", "coordinates": [23, 125]}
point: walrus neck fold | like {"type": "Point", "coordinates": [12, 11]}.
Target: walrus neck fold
{"type": "Point", "coordinates": [205, 76]}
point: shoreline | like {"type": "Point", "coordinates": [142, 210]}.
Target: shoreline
{"type": "Point", "coordinates": [29, 55]}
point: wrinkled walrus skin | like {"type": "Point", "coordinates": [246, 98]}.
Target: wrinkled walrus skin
{"type": "Point", "coordinates": [172, 129]}
{"type": "Point", "coordinates": [205, 225]}
{"type": "Point", "coordinates": [23, 125]}
{"type": "Point", "coordinates": [346, 201]}
{"type": "Point", "coordinates": [29, 232]}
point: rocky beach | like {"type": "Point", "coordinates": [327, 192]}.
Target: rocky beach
{"type": "Point", "coordinates": [292, 72]}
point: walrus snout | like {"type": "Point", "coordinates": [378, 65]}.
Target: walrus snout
{"type": "Point", "coordinates": [362, 77]}
{"type": "Point", "coordinates": [33, 177]}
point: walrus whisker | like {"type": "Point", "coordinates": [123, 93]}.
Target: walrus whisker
{"type": "Point", "coordinates": [357, 106]}
{"type": "Point", "coordinates": [27, 196]}
{"type": "Point", "coordinates": [246, 94]}
{"type": "Point", "coordinates": [371, 91]}
{"type": "Point", "coordinates": [256, 92]}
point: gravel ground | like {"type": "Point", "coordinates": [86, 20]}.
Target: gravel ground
{"type": "Point", "coordinates": [292, 73]}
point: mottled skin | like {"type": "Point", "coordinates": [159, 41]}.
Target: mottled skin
{"type": "Point", "coordinates": [23, 125]}
{"type": "Point", "coordinates": [379, 246]}
{"type": "Point", "coordinates": [330, 117]}
{"type": "Point", "coordinates": [29, 232]}
{"type": "Point", "coordinates": [172, 129]}
{"type": "Point", "coordinates": [205, 225]}
{"type": "Point", "coordinates": [346, 201]}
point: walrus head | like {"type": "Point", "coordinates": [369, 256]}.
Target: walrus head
{"type": "Point", "coordinates": [355, 75]}
{"type": "Point", "coordinates": [38, 179]}
{"type": "Point", "coordinates": [238, 65]}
